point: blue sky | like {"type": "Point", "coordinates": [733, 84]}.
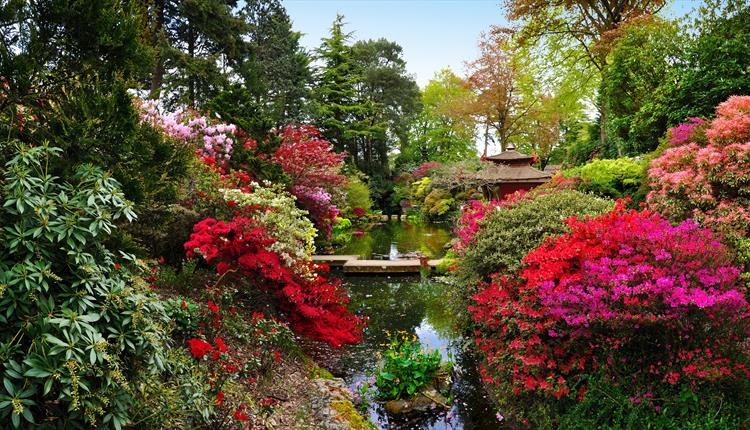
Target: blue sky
{"type": "Point", "coordinates": [434, 33]}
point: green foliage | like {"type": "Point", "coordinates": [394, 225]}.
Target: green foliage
{"type": "Point", "coordinates": [441, 132]}
{"type": "Point", "coordinates": [437, 203]}
{"type": "Point", "coordinates": [281, 66]}
{"type": "Point", "coordinates": [618, 178]}
{"type": "Point", "coordinates": [96, 124]}
{"type": "Point", "coordinates": [405, 368]}
{"type": "Point", "coordinates": [78, 329]}
{"type": "Point", "coordinates": [184, 316]}
{"type": "Point", "coordinates": [508, 234]}
{"type": "Point", "coordinates": [606, 406]}
{"type": "Point", "coordinates": [392, 99]}
{"type": "Point", "coordinates": [642, 57]}
{"type": "Point", "coordinates": [180, 397]}
{"type": "Point", "coordinates": [358, 195]}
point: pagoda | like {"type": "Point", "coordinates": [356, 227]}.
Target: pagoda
{"type": "Point", "coordinates": [509, 171]}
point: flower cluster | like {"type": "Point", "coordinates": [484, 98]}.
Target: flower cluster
{"type": "Point", "coordinates": [213, 139]}
{"type": "Point", "coordinates": [313, 167]}
{"type": "Point", "coordinates": [474, 211]}
{"type": "Point", "coordinates": [706, 171]}
{"type": "Point", "coordinates": [313, 304]}
{"type": "Point", "coordinates": [626, 293]}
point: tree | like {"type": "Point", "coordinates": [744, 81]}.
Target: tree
{"type": "Point", "coordinates": [336, 105]}
{"type": "Point", "coordinates": [646, 52]}
{"type": "Point", "coordinates": [593, 25]}
{"type": "Point", "coordinates": [197, 42]}
{"type": "Point", "coordinates": [501, 87]}
{"type": "Point", "coordinates": [443, 131]}
{"type": "Point", "coordinates": [392, 97]}
{"type": "Point", "coordinates": [281, 75]}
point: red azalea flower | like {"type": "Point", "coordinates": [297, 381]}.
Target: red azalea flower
{"type": "Point", "coordinates": [213, 307]}
{"type": "Point", "coordinates": [118, 266]}
{"type": "Point", "coordinates": [220, 399]}
{"type": "Point", "coordinates": [277, 356]}
{"type": "Point", "coordinates": [183, 305]}
{"type": "Point", "coordinates": [240, 416]}
{"type": "Point", "coordinates": [199, 348]}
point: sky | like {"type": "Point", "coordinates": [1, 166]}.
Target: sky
{"type": "Point", "coordinates": [435, 34]}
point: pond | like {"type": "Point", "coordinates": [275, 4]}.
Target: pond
{"type": "Point", "coordinates": [416, 307]}
{"type": "Point", "coordinates": [404, 237]}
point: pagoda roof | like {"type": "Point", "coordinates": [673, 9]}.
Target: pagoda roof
{"type": "Point", "coordinates": [498, 173]}
{"type": "Point", "coordinates": [510, 155]}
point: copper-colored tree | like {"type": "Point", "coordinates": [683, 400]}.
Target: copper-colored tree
{"type": "Point", "coordinates": [498, 80]}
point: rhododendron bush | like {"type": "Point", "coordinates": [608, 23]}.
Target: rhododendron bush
{"type": "Point", "coordinates": [705, 172]}
{"type": "Point", "coordinates": [626, 295]}
{"type": "Point", "coordinates": [241, 250]}
{"type": "Point", "coordinates": [314, 168]}
{"type": "Point", "coordinates": [211, 138]}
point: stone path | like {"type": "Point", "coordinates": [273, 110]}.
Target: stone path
{"type": "Point", "coordinates": [352, 264]}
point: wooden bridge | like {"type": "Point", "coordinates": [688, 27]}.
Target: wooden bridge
{"type": "Point", "coordinates": [353, 264]}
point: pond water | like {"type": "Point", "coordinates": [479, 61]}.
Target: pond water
{"type": "Point", "coordinates": [416, 307]}
{"type": "Point", "coordinates": [383, 238]}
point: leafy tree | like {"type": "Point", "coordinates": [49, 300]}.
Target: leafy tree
{"type": "Point", "coordinates": [443, 131]}
{"type": "Point", "coordinates": [645, 53]}
{"type": "Point", "coordinates": [336, 105]}
{"type": "Point", "coordinates": [501, 87]}
{"type": "Point", "coordinates": [393, 98]}
{"type": "Point", "coordinates": [593, 25]}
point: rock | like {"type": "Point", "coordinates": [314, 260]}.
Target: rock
{"type": "Point", "coordinates": [420, 402]}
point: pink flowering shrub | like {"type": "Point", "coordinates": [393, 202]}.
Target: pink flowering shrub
{"type": "Point", "coordinates": [705, 172]}
{"type": "Point", "coordinates": [211, 138]}
{"type": "Point", "coordinates": [626, 295]}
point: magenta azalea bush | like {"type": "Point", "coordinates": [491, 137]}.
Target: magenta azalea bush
{"type": "Point", "coordinates": [626, 296]}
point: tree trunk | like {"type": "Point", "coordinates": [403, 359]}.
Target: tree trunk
{"type": "Point", "coordinates": [157, 75]}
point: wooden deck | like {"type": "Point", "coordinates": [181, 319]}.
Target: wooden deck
{"type": "Point", "coordinates": [352, 264]}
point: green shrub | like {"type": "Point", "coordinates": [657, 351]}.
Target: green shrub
{"type": "Point", "coordinates": [358, 195]}
{"type": "Point", "coordinates": [506, 235]}
{"type": "Point", "coordinates": [437, 204]}
{"type": "Point", "coordinates": [77, 329]}
{"type": "Point", "coordinates": [618, 178]}
{"type": "Point", "coordinates": [405, 368]}
{"type": "Point", "coordinates": [605, 406]}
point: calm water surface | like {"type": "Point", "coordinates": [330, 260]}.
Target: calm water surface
{"type": "Point", "coordinates": [415, 306]}
{"type": "Point", "coordinates": [428, 239]}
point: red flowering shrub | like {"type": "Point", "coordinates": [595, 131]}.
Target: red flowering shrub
{"type": "Point", "coordinates": [705, 173]}
{"type": "Point", "coordinates": [424, 169]}
{"type": "Point", "coordinates": [626, 295]}
{"type": "Point", "coordinates": [313, 305]}
{"type": "Point", "coordinates": [313, 167]}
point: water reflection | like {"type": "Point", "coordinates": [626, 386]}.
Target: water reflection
{"type": "Point", "coordinates": [416, 307]}
{"type": "Point", "coordinates": [428, 239]}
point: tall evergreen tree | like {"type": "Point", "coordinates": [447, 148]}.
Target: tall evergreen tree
{"type": "Point", "coordinates": [282, 68]}
{"type": "Point", "coordinates": [198, 42]}
{"type": "Point", "coordinates": [336, 103]}
{"type": "Point", "coordinates": [392, 98]}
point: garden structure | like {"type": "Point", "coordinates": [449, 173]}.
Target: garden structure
{"type": "Point", "coordinates": [509, 171]}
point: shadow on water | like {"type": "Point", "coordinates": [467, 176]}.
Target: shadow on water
{"type": "Point", "coordinates": [428, 239]}
{"type": "Point", "coordinates": [416, 307]}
